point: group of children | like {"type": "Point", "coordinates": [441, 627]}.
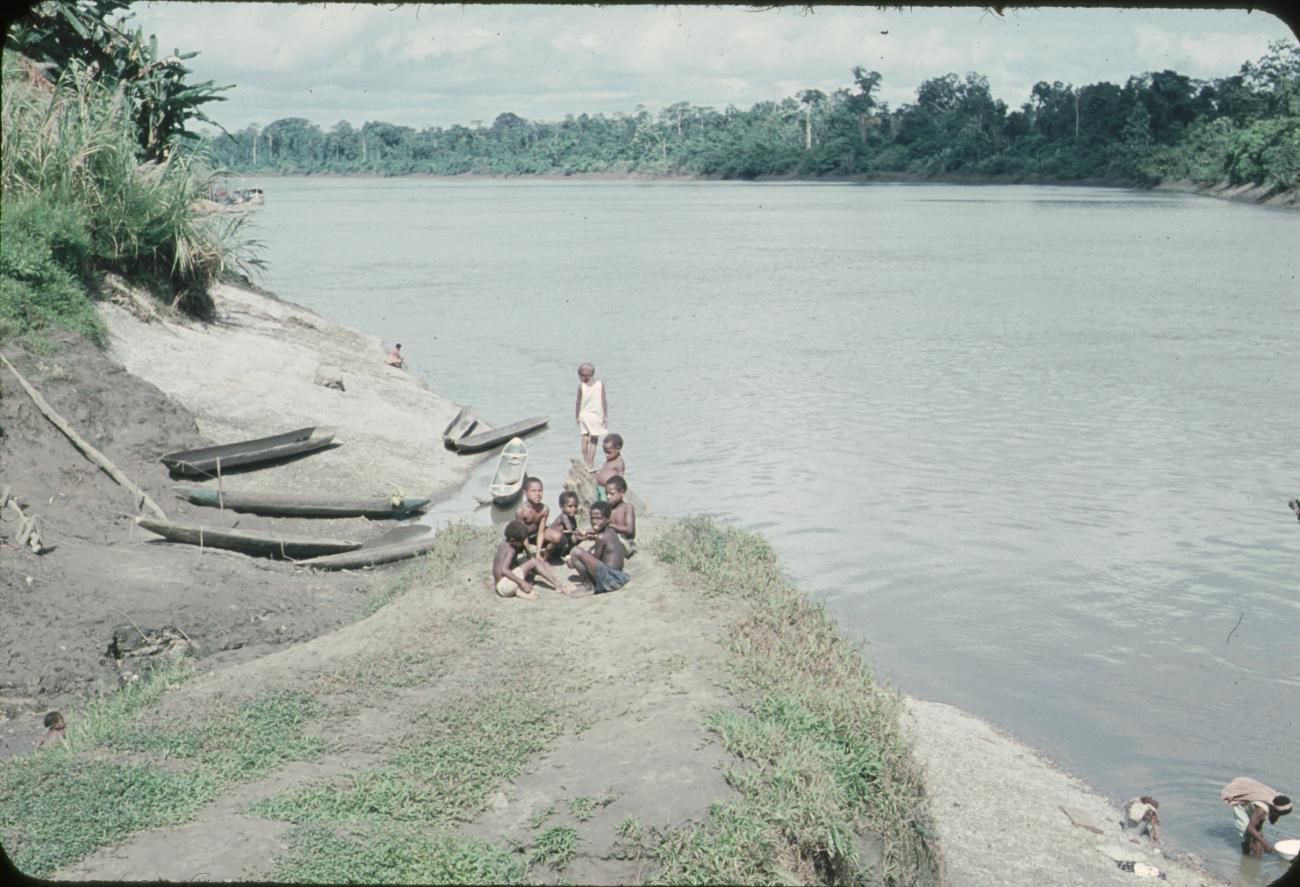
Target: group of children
{"type": "Point", "coordinates": [612, 532]}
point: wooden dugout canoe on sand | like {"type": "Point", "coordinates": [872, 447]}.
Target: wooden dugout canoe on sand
{"type": "Point", "coordinates": [511, 469]}
{"type": "Point", "coordinates": [258, 544]}
{"type": "Point", "coordinates": [395, 545]}
{"type": "Point", "coordinates": [461, 424]}
{"type": "Point", "coordinates": [205, 460]}
{"type": "Point", "coordinates": [304, 504]}
{"type": "Point", "coordinates": [485, 440]}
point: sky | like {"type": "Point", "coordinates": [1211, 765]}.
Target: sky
{"type": "Point", "coordinates": [424, 65]}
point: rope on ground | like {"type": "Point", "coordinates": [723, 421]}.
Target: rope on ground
{"type": "Point", "coordinates": [94, 455]}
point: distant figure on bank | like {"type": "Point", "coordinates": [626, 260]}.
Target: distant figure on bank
{"type": "Point", "coordinates": [513, 579]}
{"type": "Point", "coordinates": [1294, 505]}
{"type": "Point", "coordinates": [613, 447]}
{"type": "Point", "coordinates": [591, 412]}
{"type": "Point", "coordinates": [54, 725]}
{"type": "Point", "coordinates": [395, 358]}
{"type": "Point", "coordinates": [1252, 802]}
{"type": "Point", "coordinates": [622, 516]}
{"type": "Point", "coordinates": [602, 567]}
{"type": "Point", "coordinates": [1142, 817]}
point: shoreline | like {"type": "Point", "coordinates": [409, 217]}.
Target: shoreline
{"type": "Point", "coordinates": [263, 344]}
{"type": "Point", "coordinates": [1258, 195]}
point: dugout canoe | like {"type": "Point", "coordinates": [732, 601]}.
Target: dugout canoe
{"type": "Point", "coordinates": [461, 424]}
{"type": "Point", "coordinates": [508, 480]}
{"type": "Point", "coordinates": [251, 542]}
{"type": "Point", "coordinates": [486, 440]}
{"type": "Point", "coordinates": [304, 504]}
{"type": "Point", "coordinates": [205, 460]}
{"type": "Point", "coordinates": [395, 545]}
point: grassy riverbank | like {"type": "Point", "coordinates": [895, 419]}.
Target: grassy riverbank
{"type": "Point", "coordinates": [394, 754]}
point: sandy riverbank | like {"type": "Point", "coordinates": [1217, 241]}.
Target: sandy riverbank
{"type": "Point", "coordinates": [616, 690]}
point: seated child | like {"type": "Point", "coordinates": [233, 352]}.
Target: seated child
{"type": "Point", "coordinates": [613, 447]}
{"type": "Point", "coordinates": [622, 518]}
{"type": "Point", "coordinates": [563, 533]}
{"type": "Point", "coordinates": [509, 578]}
{"type": "Point", "coordinates": [533, 514]}
{"type": "Point", "coordinates": [55, 724]}
{"type": "Point", "coordinates": [602, 567]}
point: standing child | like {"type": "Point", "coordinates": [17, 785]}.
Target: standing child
{"type": "Point", "coordinates": [613, 447]}
{"type": "Point", "coordinates": [590, 411]}
{"type": "Point", "coordinates": [622, 518]}
{"type": "Point", "coordinates": [602, 567]}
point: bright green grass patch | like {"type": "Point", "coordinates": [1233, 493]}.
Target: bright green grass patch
{"type": "Point", "coordinates": [253, 739]}
{"type": "Point", "coordinates": [828, 789]}
{"type": "Point", "coordinates": [554, 847]}
{"type": "Point", "coordinates": [461, 752]}
{"type": "Point", "coordinates": [584, 808]}
{"type": "Point", "coordinates": [107, 715]}
{"type": "Point", "coordinates": [57, 806]}
{"type": "Point", "coordinates": [389, 854]}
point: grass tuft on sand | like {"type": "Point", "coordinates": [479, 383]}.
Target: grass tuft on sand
{"type": "Point", "coordinates": [463, 750]}
{"type": "Point", "coordinates": [828, 789]}
{"type": "Point", "coordinates": [384, 853]}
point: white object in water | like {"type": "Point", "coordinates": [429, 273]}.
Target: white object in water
{"type": "Point", "coordinates": [1288, 849]}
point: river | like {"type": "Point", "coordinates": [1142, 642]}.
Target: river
{"type": "Point", "coordinates": [1033, 445]}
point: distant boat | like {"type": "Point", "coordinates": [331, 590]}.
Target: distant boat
{"type": "Point", "coordinates": [205, 460]}
{"type": "Point", "coordinates": [509, 477]}
{"type": "Point", "coordinates": [395, 545]}
{"type": "Point", "coordinates": [485, 440]}
{"type": "Point", "coordinates": [258, 544]}
{"type": "Point", "coordinates": [461, 424]}
{"type": "Point", "coordinates": [304, 504]}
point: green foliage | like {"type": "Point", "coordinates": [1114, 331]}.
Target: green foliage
{"type": "Point", "coordinates": [584, 808]}
{"type": "Point", "coordinates": [821, 756]}
{"type": "Point", "coordinates": [46, 251]}
{"type": "Point", "coordinates": [447, 769]}
{"type": "Point", "coordinates": [1131, 133]}
{"type": "Point", "coordinates": [57, 806]}
{"type": "Point", "coordinates": [61, 35]}
{"type": "Point", "coordinates": [69, 151]}
{"type": "Point", "coordinates": [554, 847]}
{"type": "Point", "coordinates": [111, 714]}
{"type": "Point", "coordinates": [391, 854]}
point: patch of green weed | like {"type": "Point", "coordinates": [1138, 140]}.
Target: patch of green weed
{"type": "Point", "coordinates": [584, 808]}
{"type": "Point", "coordinates": [554, 847]}
{"type": "Point", "coordinates": [391, 854]}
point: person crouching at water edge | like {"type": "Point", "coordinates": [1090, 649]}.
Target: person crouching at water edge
{"type": "Point", "coordinates": [1142, 817]}
{"type": "Point", "coordinates": [395, 358]}
{"type": "Point", "coordinates": [602, 567]}
{"type": "Point", "coordinates": [1252, 802]}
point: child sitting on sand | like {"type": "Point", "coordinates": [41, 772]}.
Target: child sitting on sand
{"type": "Point", "coordinates": [602, 567]}
{"type": "Point", "coordinates": [563, 533]}
{"type": "Point", "coordinates": [622, 518]}
{"type": "Point", "coordinates": [533, 514]}
{"type": "Point", "coordinates": [395, 358]}
{"type": "Point", "coordinates": [613, 447]}
{"type": "Point", "coordinates": [55, 724]}
{"type": "Point", "coordinates": [511, 579]}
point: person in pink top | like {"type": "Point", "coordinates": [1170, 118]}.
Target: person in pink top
{"type": "Point", "coordinates": [591, 412]}
{"type": "Point", "coordinates": [395, 358]}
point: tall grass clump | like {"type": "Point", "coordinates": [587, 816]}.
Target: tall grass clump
{"type": "Point", "coordinates": [71, 163]}
{"type": "Point", "coordinates": [828, 790]}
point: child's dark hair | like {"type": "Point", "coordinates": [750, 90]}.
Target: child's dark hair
{"type": "Point", "coordinates": [603, 507]}
{"type": "Point", "coordinates": [615, 439]}
{"type": "Point", "coordinates": [530, 480]}
{"type": "Point", "coordinates": [51, 719]}
{"type": "Point", "coordinates": [566, 496]}
{"type": "Point", "coordinates": [516, 531]}
{"type": "Point", "coordinates": [617, 483]}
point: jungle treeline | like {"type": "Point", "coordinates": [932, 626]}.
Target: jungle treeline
{"type": "Point", "coordinates": [1244, 128]}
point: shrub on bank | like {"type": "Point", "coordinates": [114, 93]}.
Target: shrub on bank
{"type": "Point", "coordinates": [82, 202]}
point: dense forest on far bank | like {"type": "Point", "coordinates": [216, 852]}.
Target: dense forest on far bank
{"type": "Point", "coordinates": [1242, 129]}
